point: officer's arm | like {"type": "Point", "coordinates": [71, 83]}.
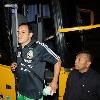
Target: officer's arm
{"type": "Point", "coordinates": [98, 89]}
{"type": "Point", "coordinates": [67, 88]}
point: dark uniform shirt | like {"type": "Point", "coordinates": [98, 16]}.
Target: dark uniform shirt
{"type": "Point", "coordinates": [84, 86]}
{"type": "Point", "coordinates": [32, 57]}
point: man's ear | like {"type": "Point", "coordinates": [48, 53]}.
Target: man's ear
{"type": "Point", "coordinates": [89, 63]}
{"type": "Point", "coordinates": [31, 34]}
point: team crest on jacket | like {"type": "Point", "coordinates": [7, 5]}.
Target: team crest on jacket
{"type": "Point", "coordinates": [19, 54]}
{"type": "Point", "coordinates": [30, 54]}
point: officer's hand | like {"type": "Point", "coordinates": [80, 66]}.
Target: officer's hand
{"type": "Point", "coordinates": [13, 66]}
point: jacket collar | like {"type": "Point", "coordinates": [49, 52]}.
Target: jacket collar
{"type": "Point", "coordinates": [30, 43]}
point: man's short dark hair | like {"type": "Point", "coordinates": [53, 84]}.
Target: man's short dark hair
{"type": "Point", "coordinates": [29, 26]}
{"type": "Point", "coordinates": [88, 53]}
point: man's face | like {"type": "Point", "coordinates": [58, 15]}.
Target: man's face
{"type": "Point", "coordinates": [82, 62]}
{"type": "Point", "coordinates": [24, 37]}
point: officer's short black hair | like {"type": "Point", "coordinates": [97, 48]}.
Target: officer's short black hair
{"type": "Point", "coordinates": [88, 53]}
{"type": "Point", "coordinates": [29, 26]}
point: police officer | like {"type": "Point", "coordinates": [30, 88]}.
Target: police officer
{"type": "Point", "coordinates": [83, 83]}
{"type": "Point", "coordinates": [32, 56]}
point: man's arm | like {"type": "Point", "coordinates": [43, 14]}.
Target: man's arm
{"type": "Point", "coordinates": [54, 84]}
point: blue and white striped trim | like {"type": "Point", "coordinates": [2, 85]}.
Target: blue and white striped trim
{"type": "Point", "coordinates": [49, 50]}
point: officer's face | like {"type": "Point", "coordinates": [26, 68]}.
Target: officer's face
{"type": "Point", "coordinates": [24, 37]}
{"type": "Point", "coordinates": [82, 62]}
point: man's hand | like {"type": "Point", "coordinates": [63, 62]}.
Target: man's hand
{"type": "Point", "coordinates": [13, 66]}
{"type": "Point", "coordinates": [53, 86]}
{"type": "Point", "coordinates": [54, 82]}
